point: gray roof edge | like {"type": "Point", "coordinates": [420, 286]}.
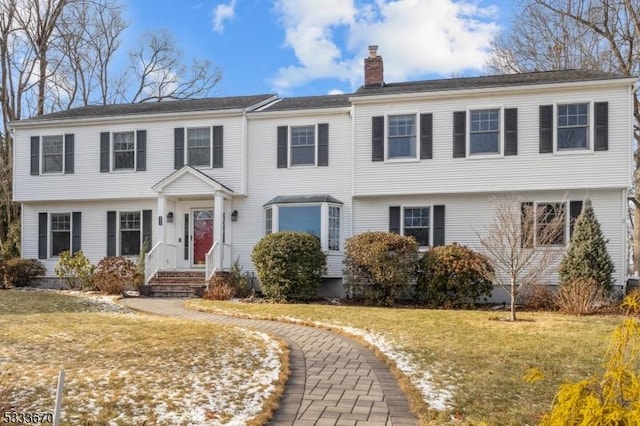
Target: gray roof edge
{"type": "Point", "coordinates": [301, 199]}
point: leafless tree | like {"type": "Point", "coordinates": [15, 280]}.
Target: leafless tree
{"type": "Point", "coordinates": [59, 54]}
{"type": "Point", "coordinates": [522, 243]}
{"type": "Point", "coordinates": [159, 72]}
{"type": "Point", "coordinates": [589, 34]}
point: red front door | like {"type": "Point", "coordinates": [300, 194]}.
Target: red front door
{"type": "Point", "coordinates": [202, 235]}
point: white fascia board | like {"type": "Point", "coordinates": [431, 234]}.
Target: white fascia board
{"type": "Point", "coordinates": [298, 113]}
{"type": "Point", "coordinates": [381, 98]}
{"type": "Point", "coordinates": [125, 118]}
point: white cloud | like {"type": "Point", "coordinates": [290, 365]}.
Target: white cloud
{"type": "Point", "coordinates": [415, 37]}
{"type": "Point", "coordinates": [336, 92]}
{"type": "Point", "coordinates": [223, 13]}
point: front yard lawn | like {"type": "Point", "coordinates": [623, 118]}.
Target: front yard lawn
{"type": "Point", "coordinates": [124, 368]}
{"type": "Point", "coordinates": [466, 360]}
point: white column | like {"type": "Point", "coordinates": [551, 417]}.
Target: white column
{"type": "Point", "coordinates": [218, 210]}
{"type": "Point", "coordinates": [162, 221]}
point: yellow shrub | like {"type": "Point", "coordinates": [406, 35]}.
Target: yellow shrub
{"type": "Point", "coordinates": [614, 398]}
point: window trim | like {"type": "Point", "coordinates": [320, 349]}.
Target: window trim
{"type": "Point", "coordinates": [186, 147]}
{"type": "Point", "coordinates": [416, 116]}
{"type": "Point", "coordinates": [566, 228]}
{"type": "Point", "coordinates": [290, 145]}
{"type": "Point", "coordinates": [50, 254]}
{"type": "Point", "coordinates": [324, 222]}
{"type": "Point", "coordinates": [415, 206]}
{"type": "Point", "coordinates": [63, 154]}
{"type": "Point", "coordinates": [112, 153]}
{"type": "Point", "coordinates": [590, 128]}
{"type": "Point", "coordinates": [500, 152]}
{"type": "Point", "coordinates": [501, 133]}
{"type": "Point", "coordinates": [119, 233]}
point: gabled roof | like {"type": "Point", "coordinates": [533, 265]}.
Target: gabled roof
{"type": "Point", "coordinates": [191, 171]}
{"type": "Point", "coordinates": [187, 105]}
{"type": "Point", "coordinates": [309, 102]}
{"type": "Point", "coordinates": [503, 80]}
{"type": "Point", "coordinates": [299, 199]}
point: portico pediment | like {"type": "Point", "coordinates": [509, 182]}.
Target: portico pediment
{"type": "Point", "coordinates": [188, 181]}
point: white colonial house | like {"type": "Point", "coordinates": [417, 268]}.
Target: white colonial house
{"type": "Point", "coordinates": [203, 180]}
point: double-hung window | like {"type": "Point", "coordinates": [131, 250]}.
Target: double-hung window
{"type": "Point", "coordinates": [124, 151]}
{"type": "Point", "coordinates": [52, 154]}
{"type": "Point", "coordinates": [484, 131]}
{"type": "Point", "coordinates": [401, 136]}
{"type": "Point", "coordinates": [130, 233]}
{"type": "Point", "coordinates": [60, 233]}
{"type": "Point", "coordinates": [199, 146]}
{"type": "Point", "coordinates": [303, 145]}
{"type": "Point", "coordinates": [320, 218]}
{"type": "Point", "coordinates": [573, 126]}
{"type": "Point", "coordinates": [543, 224]}
{"type": "Point", "coordinates": [416, 223]}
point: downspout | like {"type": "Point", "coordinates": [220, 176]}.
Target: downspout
{"type": "Point", "coordinates": [245, 154]}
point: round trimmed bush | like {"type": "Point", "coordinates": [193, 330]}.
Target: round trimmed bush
{"type": "Point", "coordinates": [379, 266]}
{"type": "Point", "coordinates": [290, 265]}
{"type": "Point", "coordinates": [453, 276]}
{"type": "Point", "coordinates": [114, 275]}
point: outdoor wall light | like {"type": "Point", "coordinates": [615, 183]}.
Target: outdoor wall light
{"type": "Point", "coordinates": [234, 216]}
{"type": "Point", "coordinates": [170, 217]}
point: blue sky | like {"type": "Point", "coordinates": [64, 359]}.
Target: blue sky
{"type": "Point", "coordinates": [315, 47]}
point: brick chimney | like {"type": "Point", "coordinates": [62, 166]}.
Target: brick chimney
{"type": "Point", "coordinates": [373, 68]}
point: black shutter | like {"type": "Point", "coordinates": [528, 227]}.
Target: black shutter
{"type": "Point", "coordinates": [323, 144]}
{"type": "Point", "coordinates": [69, 153]}
{"type": "Point", "coordinates": [438, 226]}
{"type": "Point", "coordinates": [35, 155]}
{"type": "Point", "coordinates": [104, 152]}
{"type": "Point", "coordinates": [147, 225]}
{"type": "Point", "coordinates": [426, 136]}
{"type": "Point", "coordinates": [601, 126]}
{"type": "Point", "coordinates": [377, 138]}
{"type": "Point", "coordinates": [42, 235]}
{"type": "Point", "coordinates": [111, 233]}
{"type": "Point", "coordinates": [394, 219]}
{"type": "Point", "coordinates": [527, 224]}
{"type": "Point", "coordinates": [217, 147]}
{"type": "Point", "coordinates": [575, 208]}
{"type": "Point", "coordinates": [141, 150]}
{"type": "Point", "coordinates": [459, 134]}
{"type": "Point", "coordinates": [76, 233]}
{"type": "Point", "coordinates": [178, 147]}
{"type": "Point", "coordinates": [511, 131]}
{"type": "Point", "coordinates": [283, 136]}
{"type": "Point", "coordinates": [546, 129]}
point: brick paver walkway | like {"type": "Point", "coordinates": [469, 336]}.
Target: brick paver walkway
{"type": "Point", "coordinates": [334, 380]}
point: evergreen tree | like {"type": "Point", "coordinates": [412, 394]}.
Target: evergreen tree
{"type": "Point", "coordinates": [587, 256]}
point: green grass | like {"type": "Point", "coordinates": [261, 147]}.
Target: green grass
{"type": "Point", "coordinates": [481, 359]}
{"type": "Point", "coordinates": [125, 368]}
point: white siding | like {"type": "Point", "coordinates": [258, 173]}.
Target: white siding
{"type": "Point", "coordinates": [468, 215]}
{"type": "Point", "coordinates": [89, 183]}
{"type": "Point", "coordinates": [266, 181]}
{"type": "Point", "coordinates": [529, 170]}
{"type": "Point", "coordinates": [94, 225]}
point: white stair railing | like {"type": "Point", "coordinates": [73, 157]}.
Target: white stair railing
{"type": "Point", "coordinates": [153, 261]}
{"type": "Point", "coordinates": [210, 264]}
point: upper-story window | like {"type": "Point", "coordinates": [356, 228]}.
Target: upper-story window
{"type": "Point", "coordinates": [199, 146]}
{"type": "Point", "coordinates": [306, 145]}
{"type": "Point", "coordinates": [573, 126]}
{"type": "Point", "coordinates": [401, 136]}
{"type": "Point", "coordinates": [124, 151]}
{"type": "Point", "coordinates": [484, 132]}
{"type": "Point", "coordinates": [303, 145]}
{"type": "Point", "coordinates": [52, 154]}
